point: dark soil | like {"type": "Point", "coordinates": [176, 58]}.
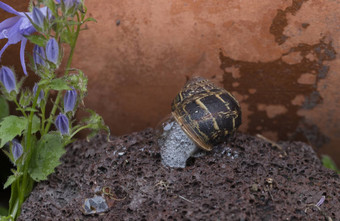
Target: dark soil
{"type": "Point", "coordinates": [261, 183]}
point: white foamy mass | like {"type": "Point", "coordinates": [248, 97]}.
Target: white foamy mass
{"type": "Point", "coordinates": [176, 146]}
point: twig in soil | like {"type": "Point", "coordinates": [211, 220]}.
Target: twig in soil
{"type": "Point", "coordinates": [107, 191]}
{"type": "Point", "coordinates": [272, 143]}
{"type": "Point", "coordinates": [182, 197]}
{"type": "Point", "coordinates": [269, 186]}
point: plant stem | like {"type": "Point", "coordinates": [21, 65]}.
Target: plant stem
{"type": "Point", "coordinates": [73, 46]}
{"type": "Point", "coordinates": [22, 111]}
{"type": "Point", "coordinates": [22, 189]}
{"type": "Point", "coordinates": [69, 61]}
{"type": "Point", "coordinates": [54, 109]}
{"type": "Point", "coordinates": [79, 129]}
{"type": "Point", "coordinates": [15, 209]}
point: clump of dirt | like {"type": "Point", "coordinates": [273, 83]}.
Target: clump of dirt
{"type": "Point", "coordinates": [247, 179]}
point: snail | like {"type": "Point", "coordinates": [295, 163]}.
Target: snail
{"type": "Point", "coordinates": [207, 115]}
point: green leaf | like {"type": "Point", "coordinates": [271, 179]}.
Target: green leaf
{"type": "Point", "coordinates": [90, 19]}
{"type": "Point", "coordinates": [52, 6]}
{"type": "Point", "coordinates": [35, 124]}
{"type": "Point", "coordinates": [59, 84]}
{"type": "Point", "coordinates": [45, 156]}
{"type": "Point", "coordinates": [14, 198]}
{"type": "Point", "coordinates": [43, 82]}
{"type": "Point", "coordinates": [67, 36]}
{"type": "Point", "coordinates": [11, 127]}
{"type": "Point", "coordinates": [329, 163]}
{"type": "Point", "coordinates": [4, 109]}
{"type": "Point", "coordinates": [25, 98]}
{"type": "Point", "coordinates": [11, 179]}
{"type": "Point", "coordinates": [37, 39]}
{"type": "Point", "coordinates": [96, 124]}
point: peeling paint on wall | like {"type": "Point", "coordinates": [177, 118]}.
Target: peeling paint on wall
{"type": "Point", "coordinates": [275, 91]}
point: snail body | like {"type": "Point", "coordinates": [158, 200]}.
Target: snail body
{"type": "Point", "coordinates": [209, 115]}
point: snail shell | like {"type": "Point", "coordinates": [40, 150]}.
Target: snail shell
{"type": "Point", "coordinates": [208, 114]}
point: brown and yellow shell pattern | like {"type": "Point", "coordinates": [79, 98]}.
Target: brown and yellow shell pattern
{"type": "Point", "coordinates": [209, 115]}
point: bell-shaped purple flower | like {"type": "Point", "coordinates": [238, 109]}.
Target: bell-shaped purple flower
{"type": "Point", "coordinates": [70, 3]}
{"type": "Point", "coordinates": [39, 55]}
{"type": "Point", "coordinates": [38, 17]}
{"type": "Point", "coordinates": [17, 150]}
{"type": "Point", "coordinates": [70, 99]}
{"type": "Point", "coordinates": [62, 124]}
{"type": "Point", "coordinates": [41, 94]}
{"type": "Point", "coordinates": [15, 29]}
{"type": "Point", "coordinates": [52, 50]}
{"type": "Point", "coordinates": [7, 78]}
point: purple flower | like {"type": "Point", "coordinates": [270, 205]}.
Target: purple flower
{"type": "Point", "coordinates": [38, 17]}
{"type": "Point", "coordinates": [318, 204]}
{"type": "Point", "coordinates": [39, 55]}
{"type": "Point", "coordinates": [70, 99]}
{"type": "Point", "coordinates": [15, 29]}
{"type": "Point", "coordinates": [7, 78]}
{"type": "Point", "coordinates": [70, 3]}
{"type": "Point", "coordinates": [52, 50]}
{"type": "Point", "coordinates": [17, 150]}
{"type": "Point", "coordinates": [41, 94]}
{"type": "Point", "coordinates": [62, 124]}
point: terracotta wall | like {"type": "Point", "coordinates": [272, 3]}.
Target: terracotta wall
{"type": "Point", "coordinates": [279, 58]}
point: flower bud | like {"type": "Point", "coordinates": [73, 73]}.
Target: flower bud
{"type": "Point", "coordinates": [25, 97]}
{"type": "Point", "coordinates": [62, 124]}
{"type": "Point", "coordinates": [17, 150]}
{"type": "Point", "coordinates": [70, 3]}
{"type": "Point", "coordinates": [41, 93]}
{"type": "Point", "coordinates": [39, 55]}
{"type": "Point", "coordinates": [38, 17]}
{"type": "Point", "coordinates": [7, 78]}
{"type": "Point", "coordinates": [70, 99]}
{"type": "Point", "coordinates": [52, 51]}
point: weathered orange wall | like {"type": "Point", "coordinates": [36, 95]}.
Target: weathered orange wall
{"type": "Point", "coordinates": [279, 58]}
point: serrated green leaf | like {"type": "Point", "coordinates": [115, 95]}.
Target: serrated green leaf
{"type": "Point", "coordinates": [59, 84]}
{"type": "Point", "coordinates": [4, 109]}
{"type": "Point", "coordinates": [35, 124]}
{"type": "Point", "coordinates": [37, 39]}
{"type": "Point", "coordinates": [11, 127]}
{"type": "Point", "coordinates": [46, 155]}
{"type": "Point", "coordinates": [96, 123]}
